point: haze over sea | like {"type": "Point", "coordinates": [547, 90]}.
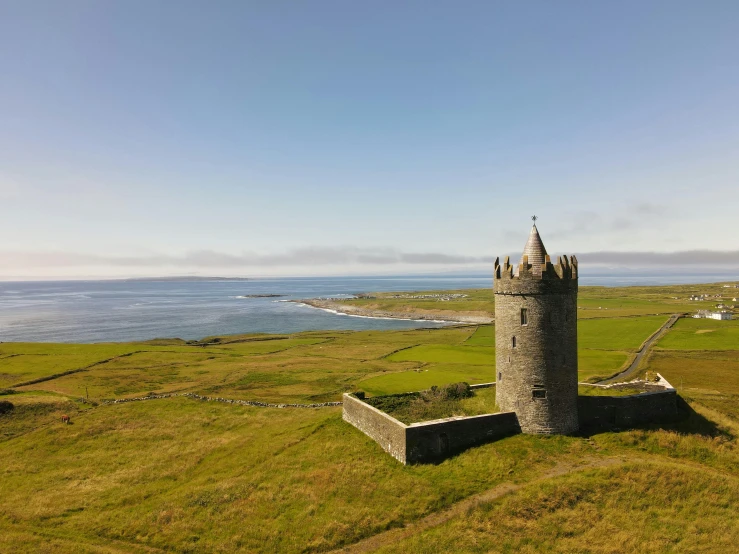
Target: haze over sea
{"type": "Point", "coordinates": [128, 310]}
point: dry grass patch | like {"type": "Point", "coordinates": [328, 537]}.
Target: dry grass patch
{"type": "Point", "coordinates": [635, 508]}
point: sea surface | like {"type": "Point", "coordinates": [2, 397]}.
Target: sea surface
{"type": "Point", "coordinates": [129, 310]}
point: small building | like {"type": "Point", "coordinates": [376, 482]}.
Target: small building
{"type": "Point", "coordinates": [721, 315]}
{"type": "Point", "coordinates": [706, 314]}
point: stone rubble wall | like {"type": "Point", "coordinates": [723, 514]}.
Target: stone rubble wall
{"type": "Point", "coordinates": [254, 403]}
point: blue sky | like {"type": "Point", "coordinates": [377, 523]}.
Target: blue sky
{"type": "Point", "coordinates": [298, 138]}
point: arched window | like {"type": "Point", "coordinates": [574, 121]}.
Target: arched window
{"type": "Point", "coordinates": [524, 316]}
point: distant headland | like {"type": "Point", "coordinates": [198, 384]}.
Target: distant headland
{"type": "Point", "coordinates": [186, 278]}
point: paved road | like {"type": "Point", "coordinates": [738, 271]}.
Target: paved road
{"type": "Point", "coordinates": [641, 352]}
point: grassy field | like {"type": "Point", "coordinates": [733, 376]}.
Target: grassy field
{"type": "Point", "coordinates": [313, 366]}
{"type": "Point", "coordinates": [701, 358]}
{"type": "Point", "coordinates": [593, 302]}
{"type": "Point", "coordinates": [642, 507]}
{"type": "Point", "coordinates": [606, 345]}
{"type": "Point", "coordinates": [702, 334]}
{"type": "Point", "coordinates": [182, 475]}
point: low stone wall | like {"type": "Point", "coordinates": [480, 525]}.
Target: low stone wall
{"type": "Point", "coordinates": [255, 403]}
{"type": "Point", "coordinates": [430, 440]}
{"type": "Point", "coordinates": [386, 431]}
{"type": "Point", "coordinates": [627, 411]}
{"type": "Point", "coordinates": [434, 440]}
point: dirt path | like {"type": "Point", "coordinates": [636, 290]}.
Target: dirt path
{"type": "Point", "coordinates": [629, 371]}
{"type": "Point", "coordinates": [375, 542]}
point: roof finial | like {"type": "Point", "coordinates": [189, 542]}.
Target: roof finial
{"type": "Point", "coordinates": [534, 218]}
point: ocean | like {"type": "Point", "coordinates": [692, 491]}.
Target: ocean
{"type": "Point", "coordinates": [130, 310]}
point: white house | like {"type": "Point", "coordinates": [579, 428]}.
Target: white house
{"type": "Point", "coordinates": [720, 315]}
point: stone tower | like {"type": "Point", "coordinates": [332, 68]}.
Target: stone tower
{"type": "Point", "coordinates": [536, 340]}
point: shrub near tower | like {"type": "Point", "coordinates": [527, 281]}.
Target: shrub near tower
{"type": "Point", "coordinates": [536, 340]}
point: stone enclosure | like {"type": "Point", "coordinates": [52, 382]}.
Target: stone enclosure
{"type": "Point", "coordinates": [432, 441]}
{"type": "Point", "coordinates": [427, 441]}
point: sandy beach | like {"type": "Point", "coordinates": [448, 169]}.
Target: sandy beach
{"type": "Point", "coordinates": [416, 314]}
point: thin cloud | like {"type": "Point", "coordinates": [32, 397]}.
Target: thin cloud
{"type": "Point", "coordinates": [313, 256]}
{"type": "Point", "coordinates": [344, 256]}
{"type": "Point", "coordinates": [587, 222]}
{"type": "Point", "coordinates": [641, 259]}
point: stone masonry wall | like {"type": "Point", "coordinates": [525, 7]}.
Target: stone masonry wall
{"type": "Point", "coordinates": [387, 431]}
{"type": "Point", "coordinates": [435, 440]}
{"type": "Point", "coordinates": [537, 378]}
{"type": "Point", "coordinates": [430, 440]}
{"type": "Point", "coordinates": [627, 411]}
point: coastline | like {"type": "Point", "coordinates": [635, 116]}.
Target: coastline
{"type": "Point", "coordinates": [435, 316]}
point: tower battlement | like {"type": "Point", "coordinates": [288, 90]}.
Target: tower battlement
{"type": "Point", "coordinates": [565, 268]}
{"type": "Point", "coordinates": [534, 279]}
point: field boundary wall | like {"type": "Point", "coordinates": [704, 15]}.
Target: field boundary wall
{"type": "Point", "coordinates": [628, 411]}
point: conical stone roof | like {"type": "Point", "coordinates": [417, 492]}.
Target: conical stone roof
{"type": "Point", "coordinates": [535, 250]}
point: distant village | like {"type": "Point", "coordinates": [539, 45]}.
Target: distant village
{"type": "Point", "coordinates": [723, 309]}
{"type": "Point", "coordinates": [437, 297]}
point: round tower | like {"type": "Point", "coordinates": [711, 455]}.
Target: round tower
{"type": "Point", "coordinates": [536, 340]}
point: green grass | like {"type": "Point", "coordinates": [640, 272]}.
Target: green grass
{"type": "Point", "coordinates": [426, 377]}
{"type": "Point", "coordinates": [633, 508]}
{"type": "Point", "coordinates": [468, 355]}
{"type": "Point", "coordinates": [595, 365]}
{"type": "Point", "coordinates": [484, 336]}
{"type": "Point", "coordinates": [593, 302]}
{"type": "Point", "coordinates": [702, 334]}
{"type": "Point", "coordinates": [707, 377]}
{"type": "Point", "coordinates": [188, 476]}
{"type": "Point", "coordinates": [477, 301]}
{"type": "Point", "coordinates": [193, 477]}
{"type": "Point", "coordinates": [624, 333]}
{"type": "Point", "coordinates": [20, 362]}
